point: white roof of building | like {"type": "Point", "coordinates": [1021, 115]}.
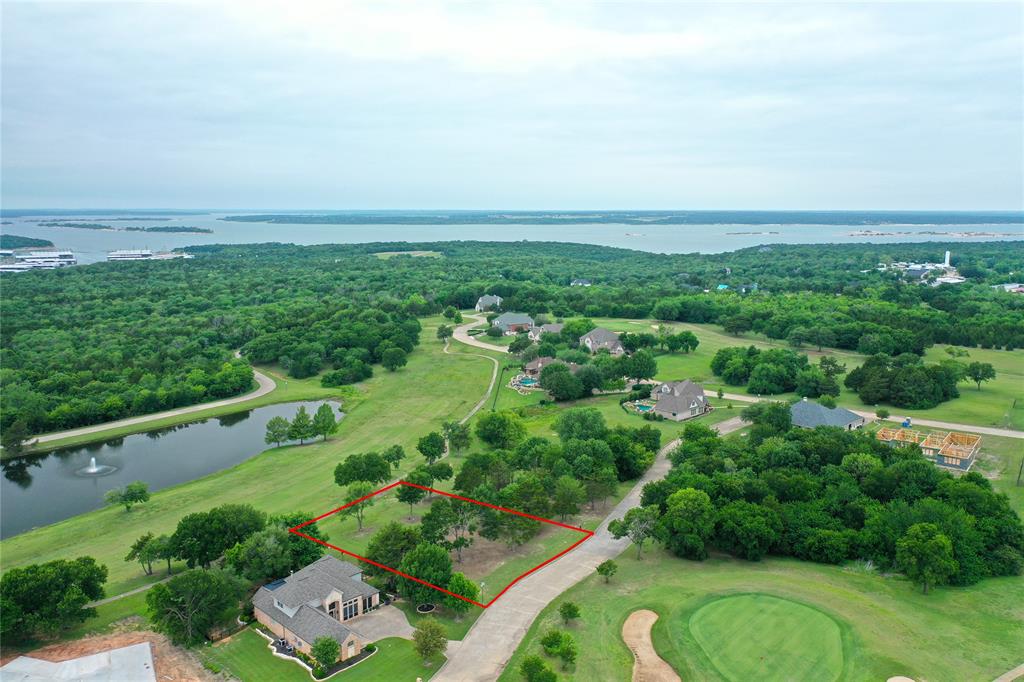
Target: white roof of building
{"type": "Point", "coordinates": [133, 663]}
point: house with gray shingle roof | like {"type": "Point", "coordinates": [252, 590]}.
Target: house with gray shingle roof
{"type": "Point", "coordinates": [487, 302]}
{"type": "Point", "coordinates": [513, 323]}
{"type": "Point", "coordinates": [537, 331]}
{"type": "Point", "coordinates": [601, 338]}
{"type": "Point", "coordinates": [810, 415]}
{"type": "Point", "coordinates": [679, 400]}
{"type": "Point", "coordinates": [317, 601]}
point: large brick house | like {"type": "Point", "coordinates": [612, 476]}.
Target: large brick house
{"type": "Point", "coordinates": [317, 601]}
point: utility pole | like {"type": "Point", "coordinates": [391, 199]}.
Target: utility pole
{"type": "Point", "coordinates": [1020, 471]}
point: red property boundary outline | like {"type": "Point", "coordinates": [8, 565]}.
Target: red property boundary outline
{"type": "Point", "coordinates": [587, 534]}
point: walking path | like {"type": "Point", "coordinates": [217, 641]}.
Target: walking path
{"type": "Point", "coordinates": [487, 647]}
{"type": "Point", "coordinates": [490, 388]}
{"type": "Point", "coordinates": [461, 334]}
{"type": "Point", "coordinates": [266, 385]}
{"type": "Point", "coordinates": [107, 600]}
{"type": "Point", "coordinates": [1015, 674]}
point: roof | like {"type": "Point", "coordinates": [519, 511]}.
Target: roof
{"type": "Point", "coordinates": [581, 281]}
{"type": "Point", "coordinates": [809, 415]}
{"type": "Point", "coordinates": [489, 299]}
{"type": "Point", "coordinates": [602, 337]}
{"type": "Point", "coordinates": [553, 328]}
{"type": "Point", "coordinates": [133, 662]}
{"type": "Point", "coordinates": [539, 363]}
{"type": "Point", "coordinates": [316, 581]}
{"type": "Point", "coordinates": [512, 318]}
{"type": "Point", "coordinates": [678, 396]}
{"type": "Point", "coordinates": [308, 623]}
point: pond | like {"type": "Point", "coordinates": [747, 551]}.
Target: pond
{"type": "Point", "coordinates": [44, 489]}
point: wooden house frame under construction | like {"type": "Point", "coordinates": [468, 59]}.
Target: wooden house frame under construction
{"type": "Point", "coordinates": [950, 449]}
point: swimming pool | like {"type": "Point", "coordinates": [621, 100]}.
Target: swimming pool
{"type": "Point", "coordinates": [644, 408]}
{"type": "Point", "coordinates": [527, 381]}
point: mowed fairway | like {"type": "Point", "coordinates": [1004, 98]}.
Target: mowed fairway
{"type": "Point", "coordinates": [394, 407]}
{"type": "Point", "coordinates": [757, 636]}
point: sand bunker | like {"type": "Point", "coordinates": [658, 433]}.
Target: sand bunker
{"type": "Point", "coordinates": [648, 666]}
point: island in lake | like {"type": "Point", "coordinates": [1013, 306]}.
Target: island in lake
{"type": "Point", "coordinates": [185, 229]}
{"type": "Point", "coordinates": [13, 241]}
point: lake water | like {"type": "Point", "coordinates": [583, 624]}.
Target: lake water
{"type": "Point", "coordinates": [92, 245]}
{"type": "Point", "coordinates": [36, 491]}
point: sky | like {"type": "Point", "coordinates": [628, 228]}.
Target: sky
{"type": "Point", "coordinates": [514, 105]}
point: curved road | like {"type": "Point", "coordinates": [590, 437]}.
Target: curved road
{"type": "Point", "coordinates": [460, 334]}
{"type": "Point", "coordinates": [266, 385]}
{"type": "Point", "coordinates": [490, 643]}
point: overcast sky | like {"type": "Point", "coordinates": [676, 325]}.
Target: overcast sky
{"type": "Point", "coordinates": [516, 105]}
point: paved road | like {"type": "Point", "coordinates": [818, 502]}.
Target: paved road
{"type": "Point", "coordinates": [462, 336]}
{"type": "Point", "coordinates": [949, 426]}
{"type": "Point", "coordinates": [487, 647]}
{"type": "Point", "coordinates": [266, 385]}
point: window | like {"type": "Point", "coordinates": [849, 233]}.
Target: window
{"type": "Point", "coordinates": [350, 609]}
{"type": "Point", "coordinates": [367, 603]}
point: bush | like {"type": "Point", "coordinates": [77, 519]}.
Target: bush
{"type": "Point", "coordinates": [882, 413]}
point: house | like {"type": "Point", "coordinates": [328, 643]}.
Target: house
{"type": "Point", "coordinates": [580, 283]}
{"type": "Point", "coordinates": [534, 367]}
{"type": "Point", "coordinates": [679, 400]}
{"type": "Point", "coordinates": [917, 272]}
{"type": "Point", "coordinates": [1012, 287]}
{"type": "Point", "coordinates": [599, 338]}
{"type": "Point", "coordinates": [536, 332]}
{"type": "Point", "coordinates": [487, 302]}
{"type": "Point", "coordinates": [948, 449]}
{"type": "Point", "coordinates": [317, 601]}
{"type": "Point", "coordinates": [809, 415]}
{"type": "Point", "coordinates": [513, 323]}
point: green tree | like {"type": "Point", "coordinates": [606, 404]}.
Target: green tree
{"type": "Point", "coordinates": [925, 555]}
{"type": "Point", "coordinates": [607, 569]}
{"type": "Point", "coordinates": [580, 423]}
{"type": "Point", "coordinates": [301, 427]}
{"type": "Point", "coordinates": [427, 562]}
{"type": "Point", "coordinates": [162, 549]}
{"type": "Point", "coordinates": [444, 332]}
{"type": "Point", "coordinates": [979, 372]}
{"type": "Point", "coordinates": [500, 429]}
{"type": "Point", "coordinates": [567, 496]}
{"type": "Point", "coordinates": [393, 455]}
{"type": "Point", "coordinates": [139, 552]}
{"type": "Point", "coordinates": [277, 431]}
{"type": "Point", "coordinates": [567, 651]}
{"type": "Point", "coordinates": [641, 365]}
{"type": "Point", "coordinates": [534, 669]}
{"type": "Point", "coordinates": [449, 312]}
{"type": "Point", "coordinates": [411, 495]}
{"type": "Point", "coordinates": [746, 529]}
{"type": "Point", "coordinates": [189, 605]}
{"type": "Point", "coordinates": [262, 557]}
{"type": "Point", "coordinates": [431, 446]}
{"type": "Point", "coordinates": [325, 651]}
{"type": "Point", "coordinates": [393, 358]}
{"type": "Point", "coordinates": [457, 435]}
{"type": "Point", "coordinates": [430, 639]}
{"type": "Point", "coordinates": [324, 423]}
{"type": "Point", "coordinates": [370, 467]}
{"type": "Point", "coordinates": [569, 611]}
{"type": "Point", "coordinates": [13, 437]}
{"type": "Point", "coordinates": [202, 537]}
{"type": "Point", "coordinates": [519, 344]}
{"type": "Point", "coordinates": [388, 547]}
{"type": "Point", "coordinates": [561, 383]}
{"type": "Point", "coordinates": [132, 494]}
{"type": "Point", "coordinates": [358, 491]}
{"type": "Point", "coordinates": [303, 551]}
{"type": "Point", "coordinates": [43, 599]}
{"type": "Point", "coordinates": [638, 525]}
{"type": "Point", "coordinates": [688, 523]}
{"type": "Point", "coordinates": [460, 584]}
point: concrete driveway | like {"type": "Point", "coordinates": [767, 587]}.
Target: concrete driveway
{"type": "Point", "coordinates": [462, 336]}
{"type": "Point", "coordinates": [387, 621]}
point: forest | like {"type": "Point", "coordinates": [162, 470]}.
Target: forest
{"type": "Point", "coordinates": [93, 343]}
{"type": "Point", "coordinates": [13, 241]}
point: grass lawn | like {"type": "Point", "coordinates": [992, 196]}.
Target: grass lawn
{"type": "Point", "coordinates": [887, 627]}
{"type": "Point", "coordinates": [246, 656]}
{"type": "Point", "coordinates": [396, 407]}
{"type": "Point", "coordinates": [999, 403]}
{"type": "Point", "coordinates": [757, 636]}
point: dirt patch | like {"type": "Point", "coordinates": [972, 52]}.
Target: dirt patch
{"type": "Point", "coordinates": [169, 661]}
{"type": "Point", "coordinates": [648, 666]}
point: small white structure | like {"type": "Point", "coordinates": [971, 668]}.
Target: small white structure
{"type": "Point", "coordinates": [133, 663]}
{"type": "Point", "coordinates": [46, 260]}
{"type": "Point", "coordinates": [145, 254]}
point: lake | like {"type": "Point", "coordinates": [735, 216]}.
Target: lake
{"type": "Point", "coordinates": [36, 491]}
{"type": "Point", "coordinates": [92, 246]}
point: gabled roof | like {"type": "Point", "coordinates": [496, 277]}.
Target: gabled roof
{"type": "Point", "coordinates": [809, 415]}
{"type": "Point", "coordinates": [512, 318]}
{"type": "Point", "coordinates": [488, 300]}
{"type": "Point", "coordinates": [308, 623]}
{"type": "Point", "coordinates": [318, 579]}
{"type": "Point", "coordinates": [539, 363]}
{"type": "Point", "coordinates": [553, 328]}
{"type": "Point", "coordinates": [602, 337]}
{"type": "Point", "coordinates": [678, 396]}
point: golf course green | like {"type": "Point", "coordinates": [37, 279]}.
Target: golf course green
{"type": "Point", "coordinates": [760, 637]}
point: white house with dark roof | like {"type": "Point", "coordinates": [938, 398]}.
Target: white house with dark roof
{"type": "Point", "coordinates": [809, 415]}
{"type": "Point", "coordinates": [679, 400]}
{"type": "Point", "coordinates": [488, 302]}
{"type": "Point", "coordinates": [601, 338]}
{"type": "Point", "coordinates": [317, 601]}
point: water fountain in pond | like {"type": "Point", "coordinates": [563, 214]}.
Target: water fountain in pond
{"type": "Point", "coordinates": [95, 469]}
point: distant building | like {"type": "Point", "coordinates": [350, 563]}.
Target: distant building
{"type": "Point", "coordinates": [1013, 287]}
{"type": "Point", "coordinates": [679, 400]}
{"type": "Point", "coordinates": [488, 302]}
{"type": "Point", "coordinates": [46, 260]}
{"type": "Point", "coordinates": [952, 449]}
{"type": "Point", "coordinates": [534, 367]}
{"type": "Point", "coordinates": [810, 415]}
{"type": "Point", "coordinates": [513, 323]}
{"type": "Point", "coordinates": [145, 254]}
{"type": "Point", "coordinates": [580, 283]}
{"type": "Point", "coordinates": [600, 338]}
{"type": "Point", "coordinates": [538, 331]}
